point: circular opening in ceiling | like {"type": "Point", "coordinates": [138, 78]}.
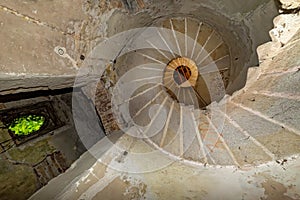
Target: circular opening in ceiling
{"type": "Point", "coordinates": [182, 74]}
{"type": "Point", "coordinates": [188, 57]}
{"type": "Point", "coordinates": [183, 71]}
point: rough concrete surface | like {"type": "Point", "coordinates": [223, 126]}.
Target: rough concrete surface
{"type": "Point", "coordinates": [33, 31]}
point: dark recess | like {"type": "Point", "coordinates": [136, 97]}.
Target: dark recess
{"type": "Point", "coordinates": [34, 94]}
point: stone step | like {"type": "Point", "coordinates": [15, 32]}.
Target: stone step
{"type": "Point", "coordinates": [188, 128]}
{"type": "Point", "coordinates": [171, 126]}
{"type": "Point", "coordinates": [180, 137]}
{"type": "Point", "coordinates": [245, 148]}
{"type": "Point", "coordinates": [285, 83]}
{"type": "Point", "coordinates": [140, 74]}
{"type": "Point", "coordinates": [279, 110]}
{"type": "Point", "coordinates": [196, 151]}
{"type": "Point", "coordinates": [213, 144]}
{"type": "Point", "coordinates": [272, 136]}
{"type": "Point", "coordinates": [206, 37]}
{"type": "Point", "coordinates": [190, 98]}
{"type": "Point", "coordinates": [184, 95]}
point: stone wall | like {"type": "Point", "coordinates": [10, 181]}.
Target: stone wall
{"type": "Point", "coordinates": [32, 51]}
{"type": "Point", "coordinates": [27, 166]}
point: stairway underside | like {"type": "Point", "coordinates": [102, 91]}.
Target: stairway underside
{"type": "Point", "coordinates": [252, 127]}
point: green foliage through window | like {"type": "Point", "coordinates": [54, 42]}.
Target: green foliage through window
{"type": "Point", "coordinates": [26, 125]}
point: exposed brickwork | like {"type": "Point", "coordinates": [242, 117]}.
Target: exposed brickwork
{"type": "Point", "coordinates": [50, 167]}
{"type": "Point", "coordinates": [104, 108]}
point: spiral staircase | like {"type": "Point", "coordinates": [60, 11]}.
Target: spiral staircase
{"type": "Point", "coordinates": [174, 112]}
{"type": "Point", "coordinates": [171, 96]}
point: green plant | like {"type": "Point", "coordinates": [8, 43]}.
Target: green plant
{"type": "Point", "coordinates": [26, 125]}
